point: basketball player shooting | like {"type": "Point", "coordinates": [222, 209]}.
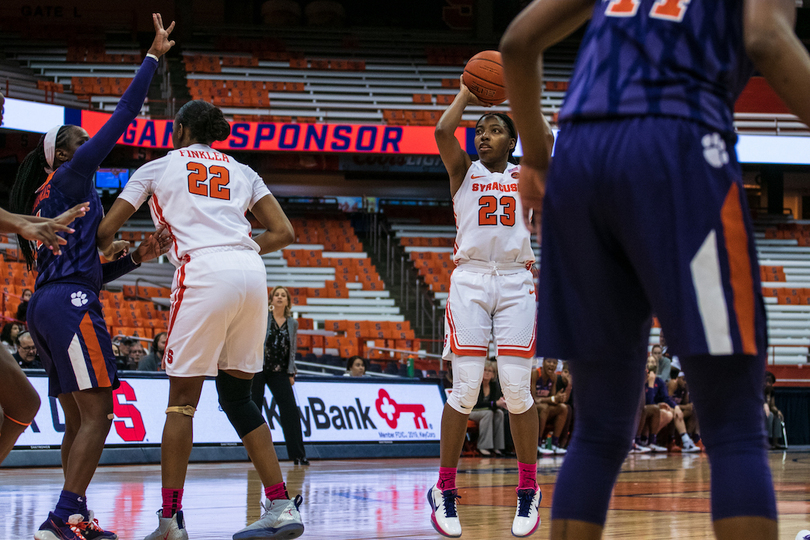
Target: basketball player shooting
{"type": "Point", "coordinates": [491, 297]}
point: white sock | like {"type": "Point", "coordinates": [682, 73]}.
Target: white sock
{"type": "Point", "coordinates": [687, 440]}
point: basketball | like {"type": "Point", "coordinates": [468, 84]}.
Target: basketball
{"type": "Point", "coordinates": [483, 75]}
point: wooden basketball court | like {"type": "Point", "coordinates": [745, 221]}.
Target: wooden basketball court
{"type": "Point", "coordinates": [658, 497]}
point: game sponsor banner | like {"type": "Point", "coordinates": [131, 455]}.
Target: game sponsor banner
{"type": "Point", "coordinates": [287, 137]}
{"type": "Point", "coordinates": [340, 138]}
{"type": "Point", "coordinates": [331, 411]}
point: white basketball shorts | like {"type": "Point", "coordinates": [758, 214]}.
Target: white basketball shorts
{"type": "Point", "coordinates": [485, 303]}
{"type": "Point", "coordinates": [218, 315]}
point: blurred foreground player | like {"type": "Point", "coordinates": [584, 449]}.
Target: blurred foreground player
{"type": "Point", "coordinates": [19, 401]}
{"type": "Point", "coordinates": [649, 117]}
{"type": "Point", "coordinates": [219, 310]}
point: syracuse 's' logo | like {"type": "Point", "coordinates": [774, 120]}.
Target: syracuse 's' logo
{"type": "Point", "coordinates": [390, 410]}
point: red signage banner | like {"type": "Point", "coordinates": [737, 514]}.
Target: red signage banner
{"type": "Point", "coordinates": [288, 137]}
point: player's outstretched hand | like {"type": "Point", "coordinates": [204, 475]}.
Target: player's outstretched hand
{"type": "Point", "coordinates": [45, 231]}
{"type": "Point", "coordinates": [532, 186]}
{"type": "Point", "coordinates": [472, 99]}
{"type": "Point", "coordinates": [158, 243]}
{"type": "Point", "coordinates": [162, 43]}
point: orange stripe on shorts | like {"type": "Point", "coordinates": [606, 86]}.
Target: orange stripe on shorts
{"type": "Point", "coordinates": [90, 338]}
{"type": "Point", "coordinates": [739, 262]}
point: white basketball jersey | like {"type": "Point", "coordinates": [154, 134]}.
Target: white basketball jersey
{"type": "Point", "coordinates": [489, 218]}
{"type": "Point", "coordinates": [201, 195]}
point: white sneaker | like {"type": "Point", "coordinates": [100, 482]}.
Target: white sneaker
{"type": "Point", "coordinates": [690, 448]}
{"type": "Point", "coordinates": [558, 451]}
{"type": "Point", "coordinates": [173, 528]}
{"type": "Point", "coordinates": [545, 451]}
{"type": "Point", "coordinates": [803, 535]}
{"type": "Point", "coordinates": [280, 520]}
{"type": "Point", "coordinates": [656, 448]}
{"type": "Point", "coordinates": [527, 516]}
{"type": "Point", "coordinates": [639, 449]}
{"type": "Point", "coordinates": [444, 513]}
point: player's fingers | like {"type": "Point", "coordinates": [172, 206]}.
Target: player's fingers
{"type": "Point", "coordinates": [169, 30]}
{"type": "Point", "coordinates": [155, 22]}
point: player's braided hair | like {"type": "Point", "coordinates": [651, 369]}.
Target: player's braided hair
{"type": "Point", "coordinates": [205, 121]}
{"type": "Point", "coordinates": [510, 127]}
{"type": "Point", "coordinates": [30, 176]}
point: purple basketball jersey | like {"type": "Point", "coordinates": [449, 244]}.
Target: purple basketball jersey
{"type": "Point", "coordinates": [677, 58]}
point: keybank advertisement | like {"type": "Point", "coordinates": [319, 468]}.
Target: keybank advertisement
{"type": "Point", "coordinates": [330, 412]}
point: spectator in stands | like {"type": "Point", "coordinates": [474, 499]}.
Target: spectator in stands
{"type": "Point", "coordinates": [122, 360]}
{"type": "Point", "coordinates": [123, 343]}
{"type": "Point", "coordinates": [663, 362]}
{"type": "Point", "coordinates": [22, 309]}
{"type": "Point", "coordinates": [154, 360]}
{"type": "Point", "coordinates": [136, 352]}
{"type": "Point", "coordinates": [550, 398]}
{"type": "Point", "coordinates": [569, 402]}
{"type": "Point", "coordinates": [356, 366]}
{"type": "Point", "coordinates": [656, 397]}
{"type": "Point", "coordinates": [679, 391]}
{"type": "Point", "coordinates": [488, 413]}
{"type": "Point", "coordinates": [773, 416]}
{"type": "Point", "coordinates": [26, 354]}
{"type": "Point", "coordinates": [279, 372]}
{"type": "Point", "coordinates": [9, 336]}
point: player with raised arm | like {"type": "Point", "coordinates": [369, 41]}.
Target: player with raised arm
{"type": "Point", "coordinates": [649, 117]}
{"type": "Point", "coordinates": [491, 297]}
{"type": "Point", "coordinates": [64, 314]}
{"type": "Point", "coordinates": [219, 303]}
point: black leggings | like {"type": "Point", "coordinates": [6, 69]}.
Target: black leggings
{"type": "Point", "coordinates": [280, 387]}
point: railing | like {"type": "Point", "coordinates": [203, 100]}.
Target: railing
{"type": "Point", "coordinates": [405, 354]}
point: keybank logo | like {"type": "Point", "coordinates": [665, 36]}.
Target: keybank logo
{"type": "Point", "coordinates": [390, 410]}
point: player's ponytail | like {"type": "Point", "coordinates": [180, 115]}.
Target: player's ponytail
{"type": "Point", "coordinates": [205, 122]}
{"type": "Point", "coordinates": [30, 176]}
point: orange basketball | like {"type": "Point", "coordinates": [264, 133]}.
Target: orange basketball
{"type": "Point", "coordinates": [483, 75]}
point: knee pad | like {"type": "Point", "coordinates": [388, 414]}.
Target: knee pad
{"type": "Point", "coordinates": [515, 374]}
{"type": "Point", "coordinates": [235, 400]}
{"type": "Point", "coordinates": [468, 372]}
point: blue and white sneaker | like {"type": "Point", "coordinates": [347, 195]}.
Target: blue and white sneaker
{"type": "Point", "coordinates": [92, 531]}
{"type": "Point", "coordinates": [527, 516]}
{"type": "Point", "coordinates": [56, 529]}
{"type": "Point", "coordinates": [444, 513]}
{"type": "Point", "coordinates": [803, 535]}
{"type": "Point", "coordinates": [280, 520]}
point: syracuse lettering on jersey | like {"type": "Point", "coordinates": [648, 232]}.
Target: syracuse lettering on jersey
{"type": "Point", "coordinates": [495, 186]}
{"type": "Point", "coordinates": [203, 154]}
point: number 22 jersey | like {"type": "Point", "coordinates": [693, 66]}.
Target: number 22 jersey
{"type": "Point", "coordinates": [489, 218]}
{"type": "Point", "coordinates": [201, 195]}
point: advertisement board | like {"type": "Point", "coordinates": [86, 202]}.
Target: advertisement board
{"type": "Point", "coordinates": [340, 138]}
{"type": "Point", "coordinates": [332, 410]}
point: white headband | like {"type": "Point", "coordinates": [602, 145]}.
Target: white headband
{"type": "Point", "coordinates": [50, 147]}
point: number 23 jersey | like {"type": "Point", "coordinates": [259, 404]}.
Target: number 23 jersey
{"type": "Point", "coordinates": [201, 195]}
{"type": "Point", "coordinates": [489, 218]}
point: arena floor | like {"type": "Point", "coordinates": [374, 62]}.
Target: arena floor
{"type": "Point", "coordinates": [657, 497]}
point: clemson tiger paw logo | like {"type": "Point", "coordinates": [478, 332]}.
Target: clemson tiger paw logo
{"type": "Point", "coordinates": [714, 150]}
{"type": "Point", "coordinates": [78, 299]}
